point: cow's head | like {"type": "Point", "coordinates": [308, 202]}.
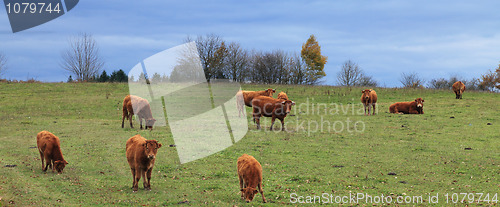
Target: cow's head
{"type": "Point", "coordinates": [249, 193]}
{"type": "Point", "coordinates": [366, 93]}
{"type": "Point", "coordinates": [150, 122]}
{"type": "Point", "coordinates": [420, 102]}
{"type": "Point", "coordinates": [150, 148]}
{"type": "Point", "coordinates": [271, 91]}
{"type": "Point", "coordinates": [287, 105]}
{"type": "Point", "coordinates": [59, 165]}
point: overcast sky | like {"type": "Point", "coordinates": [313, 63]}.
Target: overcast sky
{"type": "Point", "coordinates": [433, 38]}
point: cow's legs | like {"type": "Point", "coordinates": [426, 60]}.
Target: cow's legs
{"type": "Point", "coordinates": [272, 122]}
{"type": "Point", "coordinates": [364, 106]}
{"type": "Point", "coordinates": [137, 177]}
{"type": "Point", "coordinates": [43, 160]}
{"type": "Point", "coordinates": [130, 119]}
{"type": "Point", "coordinates": [262, 192]}
{"type": "Point", "coordinates": [52, 165]}
{"type": "Point", "coordinates": [149, 178]}
{"type": "Point", "coordinates": [241, 186]}
{"type": "Point", "coordinates": [144, 179]}
{"type": "Point", "coordinates": [140, 121]}
{"type": "Point", "coordinates": [282, 124]}
{"type": "Point", "coordinates": [373, 112]}
{"type": "Point", "coordinates": [133, 177]}
{"type": "Point", "coordinates": [123, 118]}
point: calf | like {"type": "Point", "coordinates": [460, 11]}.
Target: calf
{"type": "Point", "coordinates": [141, 156]}
{"type": "Point", "coordinates": [246, 97]}
{"type": "Point", "coordinates": [415, 107]}
{"type": "Point", "coordinates": [135, 104]}
{"type": "Point", "coordinates": [270, 107]}
{"type": "Point", "coordinates": [250, 176]}
{"type": "Point", "coordinates": [369, 99]}
{"type": "Point", "coordinates": [282, 95]}
{"type": "Point", "coordinates": [458, 88]}
{"type": "Point", "coordinates": [49, 147]}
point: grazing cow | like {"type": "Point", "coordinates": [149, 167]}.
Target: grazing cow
{"type": "Point", "coordinates": [246, 97]}
{"type": "Point", "coordinates": [369, 99]}
{"type": "Point", "coordinates": [141, 156]}
{"type": "Point", "coordinates": [414, 107]}
{"type": "Point", "coordinates": [271, 107]}
{"type": "Point", "coordinates": [282, 95]}
{"type": "Point", "coordinates": [134, 104]}
{"type": "Point", "coordinates": [458, 88]}
{"type": "Point", "coordinates": [250, 176]}
{"type": "Point", "coordinates": [49, 147]}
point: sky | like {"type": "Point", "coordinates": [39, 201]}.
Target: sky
{"type": "Point", "coordinates": [385, 38]}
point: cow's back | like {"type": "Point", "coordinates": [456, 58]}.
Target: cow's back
{"type": "Point", "coordinates": [373, 96]}
{"type": "Point", "coordinates": [133, 145]}
{"type": "Point", "coordinates": [265, 105]}
{"type": "Point", "coordinates": [46, 140]}
{"type": "Point", "coordinates": [458, 86]}
{"type": "Point", "coordinates": [282, 96]}
{"type": "Point", "coordinates": [249, 167]}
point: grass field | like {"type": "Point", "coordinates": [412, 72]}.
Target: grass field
{"type": "Point", "coordinates": [424, 154]}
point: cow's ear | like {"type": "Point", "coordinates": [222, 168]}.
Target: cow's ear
{"type": "Point", "coordinates": [283, 102]}
{"type": "Point", "coordinates": [362, 91]}
{"type": "Point", "coordinates": [370, 90]}
{"type": "Point", "coordinates": [159, 145]}
{"type": "Point", "coordinates": [65, 162]}
{"type": "Point", "coordinates": [145, 144]}
{"type": "Point", "coordinates": [415, 100]}
{"type": "Point", "coordinates": [293, 103]}
{"type": "Point", "coordinates": [422, 100]}
{"type": "Point", "coordinates": [255, 191]}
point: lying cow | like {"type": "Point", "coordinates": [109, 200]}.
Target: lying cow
{"type": "Point", "coordinates": [250, 176]}
{"type": "Point", "coordinates": [414, 107]}
{"type": "Point", "coordinates": [270, 107]}
{"type": "Point", "coordinates": [282, 95]}
{"type": "Point", "coordinates": [246, 97]}
{"type": "Point", "coordinates": [135, 104]}
{"type": "Point", "coordinates": [49, 147]}
{"type": "Point", "coordinates": [141, 156]}
{"type": "Point", "coordinates": [458, 88]}
{"type": "Point", "coordinates": [369, 99]}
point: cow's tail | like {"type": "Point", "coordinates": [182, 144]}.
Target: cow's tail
{"type": "Point", "coordinates": [125, 111]}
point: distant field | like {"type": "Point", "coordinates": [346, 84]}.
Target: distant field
{"type": "Point", "coordinates": [453, 148]}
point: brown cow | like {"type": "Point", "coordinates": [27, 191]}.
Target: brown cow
{"type": "Point", "coordinates": [458, 88]}
{"type": "Point", "coordinates": [414, 107]}
{"type": "Point", "coordinates": [369, 98]}
{"type": "Point", "coordinates": [250, 176]}
{"type": "Point", "coordinates": [134, 104]}
{"type": "Point", "coordinates": [49, 147]}
{"type": "Point", "coordinates": [246, 97]}
{"type": "Point", "coordinates": [282, 95]}
{"type": "Point", "coordinates": [271, 107]}
{"type": "Point", "coordinates": [141, 156]}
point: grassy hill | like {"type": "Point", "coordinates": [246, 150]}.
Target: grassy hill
{"type": "Point", "coordinates": [449, 149]}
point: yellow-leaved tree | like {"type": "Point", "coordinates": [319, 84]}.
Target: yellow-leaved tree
{"type": "Point", "coordinates": [311, 55]}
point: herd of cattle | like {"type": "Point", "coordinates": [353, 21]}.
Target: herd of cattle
{"type": "Point", "coordinates": [141, 153]}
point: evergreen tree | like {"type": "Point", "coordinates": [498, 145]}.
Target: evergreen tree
{"type": "Point", "coordinates": [104, 77]}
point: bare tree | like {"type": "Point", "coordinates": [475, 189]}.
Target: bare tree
{"type": "Point", "coordinates": [82, 58]}
{"type": "Point", "coordinates": [3, 64]}
{"type": "Point", "coordinates": [212, 51]}
{"type": "Point", "coordinates": [237, 62]}
{"type": "Point", "coordinates": [349, 74]}
{"type": "Point", "coordinates": [411, 80]}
